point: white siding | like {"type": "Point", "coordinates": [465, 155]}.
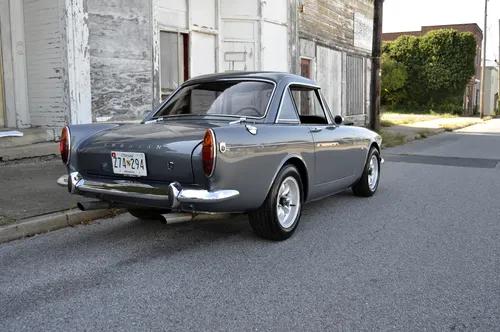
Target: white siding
{"type": "Point", "coordinates": [329, 76]}
{"type": "Point", "coordinates": [239, 8]}
{"type": "Point", "coordinates": [275, 10]}
{"type": "Point", "coordinates": [45, 62]}
{"type": "Point", "coordinates": [274, 36]}
{"type": "Point", "coordinates": [202, 54]}
{"type": "Point", "coordinates": [203, 14]}
{"type": "Point", "coordinates": [172, 13]}
{"type": "Point", "coordinates": [275, 47]}
{"type": "Point", "coordinates": [239, 45]}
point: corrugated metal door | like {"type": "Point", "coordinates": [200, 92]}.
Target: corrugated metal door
{"type": "Point", "coordinates": [45, 61]}
{"type": "Point", "coordinates": [354, 79]}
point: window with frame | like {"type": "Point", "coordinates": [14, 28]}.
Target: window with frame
{"type": "Point", "coordinates": [308, 105]}
{"type": "Point", "coordinates": [288, 112]}
{"type": "Point", "coordinates": [173, 61]}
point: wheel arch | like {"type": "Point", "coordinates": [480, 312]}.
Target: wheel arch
{"type": "Point", "coordinates": [301, 166]}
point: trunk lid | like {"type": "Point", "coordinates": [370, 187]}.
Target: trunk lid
{"type": "Point", "coordinates": [167, 148]}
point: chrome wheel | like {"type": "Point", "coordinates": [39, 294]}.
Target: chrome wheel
{"type": "Point", "coordinates": [373, 172]}
{"type": "Point", "coordinates": [288, 202]}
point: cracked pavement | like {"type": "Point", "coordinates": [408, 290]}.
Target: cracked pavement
{"type": "Point", "coordinates": [421, 255]}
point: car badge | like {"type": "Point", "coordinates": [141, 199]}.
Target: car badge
{"type": "Point", "coordinates": [222, 147]}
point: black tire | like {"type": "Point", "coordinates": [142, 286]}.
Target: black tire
{"type": "Point", "coordinates": [265, 222]}
{"type": "Point", "coordinates": [362, 188]}
{"type": "Point", "coordinates": [145, 214]}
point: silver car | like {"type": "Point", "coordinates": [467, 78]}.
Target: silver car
{"type": "Point", "coordinates": [259, 143]}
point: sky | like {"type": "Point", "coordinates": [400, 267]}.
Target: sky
{"type": "Point", "coordinates": [410, 15]}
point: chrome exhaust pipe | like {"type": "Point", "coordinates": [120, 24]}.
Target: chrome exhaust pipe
{"type": "Point", "coordinates": [177, 218]}
{"type": "Point", "coordinates": [98, 205]}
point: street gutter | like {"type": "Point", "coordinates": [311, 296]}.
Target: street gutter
{"type": "Point", "coordinates": [52, 221]}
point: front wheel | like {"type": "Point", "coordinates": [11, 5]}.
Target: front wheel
{"type": "Point", "coordinates": [280, 213]}
{"type": "Point", "coordinates": [368, 183]}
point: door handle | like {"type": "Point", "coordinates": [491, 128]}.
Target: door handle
{"type": "Point", "coordinates": [316, 129]}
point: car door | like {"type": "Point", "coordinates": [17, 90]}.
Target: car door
{"type": "Point", "coordinates": [332, 143]}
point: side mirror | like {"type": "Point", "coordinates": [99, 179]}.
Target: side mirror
{"type": "Point", "coordinates": [338, 119]}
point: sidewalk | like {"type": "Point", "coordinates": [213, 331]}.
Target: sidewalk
{"type": "Point", "coordinates": [29, 194]}
{"type": "Point", "coordinates": [396, 132]}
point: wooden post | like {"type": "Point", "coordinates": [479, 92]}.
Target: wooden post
{"type": "Point", "coordinates": [376, 66]}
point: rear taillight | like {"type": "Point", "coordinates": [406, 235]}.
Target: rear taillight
{"type": "Point", "coordinates": [208, 153]}
{"type": "Point", "coordinates": [64, 145]}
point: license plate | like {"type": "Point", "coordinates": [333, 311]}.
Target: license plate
{"type": "Point", "coordinates": [129, 163]}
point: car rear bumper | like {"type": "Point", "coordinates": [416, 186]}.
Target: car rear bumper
{"type": "Point", "coordinates": [173, 196]}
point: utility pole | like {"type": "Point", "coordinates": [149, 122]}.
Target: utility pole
{"type": "Point", "coordinates": [481, 97]}
{"type": "Point", "coordinates": [498, 62]}
{"type": "Point", "coordinates": [376, 66]}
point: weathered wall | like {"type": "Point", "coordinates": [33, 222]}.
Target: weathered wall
{"type": "Point", "coordinates": [339, 24]}
{"type": "Point", "coordinates": [45, 61]}
{"type": "Point", "coordinates": [121, 58]}
{"type": "Point", "coordinates": [336, 36]}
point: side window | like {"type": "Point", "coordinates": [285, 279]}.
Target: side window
{"type": "Point", "coordinates": [287, 112]}
{"type": "Point", "coordinates": [308, 105]}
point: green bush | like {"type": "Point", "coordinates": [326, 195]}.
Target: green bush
{"type": "Point", "coordinates": [438, 67]}
{"type": "Point", "coordinates": [393, 80]}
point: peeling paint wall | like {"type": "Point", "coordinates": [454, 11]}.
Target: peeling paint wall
{"type": "Point", "coordinates": [338, 24]}
{"type": "Point", "coordinates": [77, 92]}
{"type": "Point", "coordinates": [336, 35]}
{"type": "Point", "coordinates": [121, 45]}
{"type": "Point", "coordinates": [45, 62]}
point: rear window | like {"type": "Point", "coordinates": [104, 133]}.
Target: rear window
{"type": "Point", "coordinates": [228, 98]}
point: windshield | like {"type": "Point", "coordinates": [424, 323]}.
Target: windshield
{"type": "Point", "coordinates": [227, 98]}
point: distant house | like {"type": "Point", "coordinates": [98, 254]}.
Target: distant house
{"type": "Point", "coordinates": [490, 90]}
{"type": "Point", "coordinates": [471, 95]}
{"type": "Point", "coordinates": [83, 61]}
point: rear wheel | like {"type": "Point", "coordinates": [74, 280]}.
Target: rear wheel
{"type": "Point", "coordinates": [146, 214]}
{"type": "Point", "coordinates": [279, 215]}
{"type": "Point", "coordinates": [368, 183]}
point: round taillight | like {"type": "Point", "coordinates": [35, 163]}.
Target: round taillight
{"type": "Point", "coordinates": [208, 153]}
{"type": "Point", "coordinates": [64, 145]}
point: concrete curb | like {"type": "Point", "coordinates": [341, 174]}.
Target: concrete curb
{"type": "Point", "coordinates": [50, 222]}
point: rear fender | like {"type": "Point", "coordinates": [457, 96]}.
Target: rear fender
{"type": "Point", "coordinates": [250, 163]}
{"type": "Point", "coordinates": [80, 134]}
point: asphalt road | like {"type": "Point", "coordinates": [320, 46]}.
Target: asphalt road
{"type": "Point", "coordinates": [421, 255]}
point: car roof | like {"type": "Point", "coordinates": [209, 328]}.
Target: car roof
{"type": "Point", "coordinates": [268, 75]}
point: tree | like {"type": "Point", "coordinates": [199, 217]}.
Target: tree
{"type": "Point", "coordinates": [394, 76]}
{"type": "Point", "coordinates": [438, 65]}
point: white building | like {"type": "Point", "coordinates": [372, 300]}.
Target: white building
{"type": "Point", "coordinates": [490, 90]}
{"type": "Point", "coordinates": [78, 61]}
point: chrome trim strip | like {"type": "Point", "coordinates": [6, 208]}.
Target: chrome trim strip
{"type": "Point", "coordinates": [214, 145]}
{"type": "Point", "coordinates": [316, 89]}
{"type": "Point", "coordinates": [136, 190]}
{"type": "Point", "coordinates": [174, 194]}
{"type": "Point", "coordinates": [204, 196]}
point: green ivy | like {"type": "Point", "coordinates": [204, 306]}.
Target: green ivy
{"type": "Point", "coordinates": [438, 66]}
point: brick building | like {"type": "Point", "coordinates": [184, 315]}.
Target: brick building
{"type": "Point", "coordinates": [471, 95]}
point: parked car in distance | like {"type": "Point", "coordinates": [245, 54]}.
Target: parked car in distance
{"type": "Point", "coordinates": [259, 143]}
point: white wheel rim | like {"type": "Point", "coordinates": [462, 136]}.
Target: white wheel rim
{"type": "Point", "coordinates": [373, 172]}
{"type": "Point", "coordinates": [288, 202]}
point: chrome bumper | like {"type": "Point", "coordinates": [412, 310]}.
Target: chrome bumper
{"type": "Point", "coordinates": [174, 195]}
